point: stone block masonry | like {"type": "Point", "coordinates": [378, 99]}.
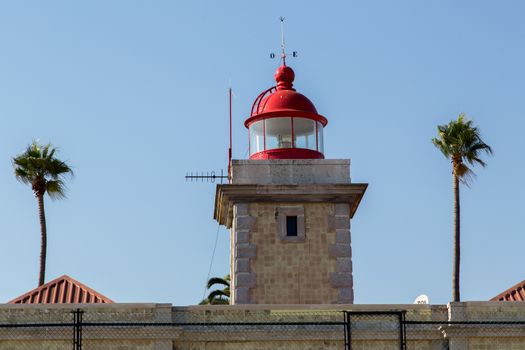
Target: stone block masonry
{"type": "Point", "coordinates": [298, 272]}
{"type": "Point", "coordinates": [243, 252]}
{"type": "Point", "coordinates": [269, 269]}
{"type": "Point", "coordinates": [289, 273]}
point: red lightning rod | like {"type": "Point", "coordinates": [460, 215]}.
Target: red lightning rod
{"type": "Point", "coordinates": [230, 149]}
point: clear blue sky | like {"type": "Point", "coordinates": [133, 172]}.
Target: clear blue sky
{"type": "Point", "coordinates": [134, 94]}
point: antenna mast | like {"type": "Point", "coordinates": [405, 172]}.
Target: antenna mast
{"type": "Point", "coordinates": [230, 149]}
{"type": "Point", "coordinates": [211, 176]}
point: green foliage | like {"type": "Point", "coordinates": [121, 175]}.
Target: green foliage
{"type": "Point", "coordinates": [38, 167]}
{"type": "Point", "coordinates": [218, 296]}
{"type": "Point", "coordinates": [460, 141]}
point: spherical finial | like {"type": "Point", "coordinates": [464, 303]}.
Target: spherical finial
{"type": "Point", "coordinates": [284, 77]}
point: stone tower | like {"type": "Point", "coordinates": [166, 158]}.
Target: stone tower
{"type": "Point", "coordinates": [288, 209]}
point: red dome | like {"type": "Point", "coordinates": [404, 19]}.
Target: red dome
{"type": "Point", "coordinates": [283, 100]}
{"type": "Point", "coordinates": [284, 124]}
{"type": "Point", "coordinates": [286, 100]}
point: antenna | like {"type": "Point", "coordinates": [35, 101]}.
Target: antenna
{"type": "Point", "coordinates": [283, 45]}
{"type": "Point", "coordinates": [210, 176]}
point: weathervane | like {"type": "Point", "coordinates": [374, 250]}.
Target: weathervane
{"type": "Point", "coordinates": [283, 47]}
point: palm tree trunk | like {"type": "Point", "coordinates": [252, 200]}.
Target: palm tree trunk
{"type": "Point", "coordinates": [43, 244]}
{"type": "Point", "coordinates": [456, 263]}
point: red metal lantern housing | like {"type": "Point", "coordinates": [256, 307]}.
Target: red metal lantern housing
{"type": "Point", "coordinates": [284, 124]}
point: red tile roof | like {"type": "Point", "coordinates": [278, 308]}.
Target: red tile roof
{"type": "Point", "coordinates": [63, 290]}
{"type": "Point", "coordinates": [515, 293]}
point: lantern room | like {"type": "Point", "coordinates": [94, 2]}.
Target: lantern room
{"type": "Point", "coordinates": [284, 124]}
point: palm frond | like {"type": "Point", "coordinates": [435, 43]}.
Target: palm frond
{"type": "Point", "coordinates": [220, 301]}
{"type": "Point", "coordinates": [58, 169]}
{"type": "Point", "coordinates": [56, 189]}
{"type": "Point", "coordinates": [39, 164]}
{"type": "Point", "coordinates": [52, 153]}
{"type": "Point", "coordinates": [22, 175]}
{"type": "Point", "coordinates": [442, 146]}
{"type": "Point", "coordinates": [217, 293]}
{"type": "Point", "coordinates": [217, 280]}
{"type": "Point", "coordinates": [460, 141]}
{"type": "Point", "coordinates": [219, 296]}
{"type": "Point", "coordinates": [45, 150]}
{"type": "Point", "coordinates": [464, 174]}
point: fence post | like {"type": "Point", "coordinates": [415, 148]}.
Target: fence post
{"type": "Point", "coordinates": [347, 331]}
{"type": "Point", "coordinates": [77, 329]}
{"type": "Point", "coordinates": [402, 330]}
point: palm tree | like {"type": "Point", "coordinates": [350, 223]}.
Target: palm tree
{"type": "Point", "coordinates": [218, 296]}
{"type": "Point", "coordinates": [38, 167]}
{"type": "Point", "coordinates": [460, 142]}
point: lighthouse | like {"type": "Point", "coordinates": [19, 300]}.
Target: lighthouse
{"type": "Point", "coordinates": [287, 207]}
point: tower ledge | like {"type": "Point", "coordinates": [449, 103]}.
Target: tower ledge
{"type": "Point", "coordinates": [228, 195]}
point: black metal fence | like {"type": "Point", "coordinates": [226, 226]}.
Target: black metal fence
{"type": "Point", "coordinates": [292, 330]}
{"type": "Point", "coordinates": [364, 328]}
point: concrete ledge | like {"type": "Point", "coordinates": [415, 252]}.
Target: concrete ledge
{"type": "Point", "coordinates": [319, 307]}
{"type": "Point", "coordinates": [290, 171]}
{"type": "Point", "coordinates": [229, 195]}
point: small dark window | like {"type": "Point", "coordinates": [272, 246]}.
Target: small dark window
{"type": "Point", "coordinates": [291, 226]}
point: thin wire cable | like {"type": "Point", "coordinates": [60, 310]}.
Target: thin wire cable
{"type": "Point", "coordinates": [211, 262]}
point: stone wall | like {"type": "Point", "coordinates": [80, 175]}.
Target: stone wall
{"type": "Point", "coordinates": [50, 327]}
{"type": "Point", "coordinates": [371, 332]}
{"type": "Point", "coordinates": [247, 327]}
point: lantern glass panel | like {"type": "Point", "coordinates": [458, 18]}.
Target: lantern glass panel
{"type": "Point", "coordinates": [278, 133]}
{"type": "Point", "coordinates": [320, 142]}
{"type": "Point", "coordinates": [304, 133]}
{"type": "Point", "coordinates": [256, 137]}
